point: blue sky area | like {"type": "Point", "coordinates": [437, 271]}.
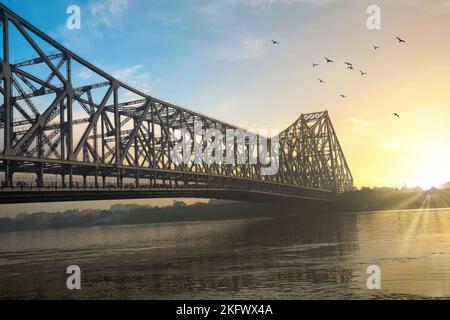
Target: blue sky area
{"type": "Point", "coordinates": [196, 53]}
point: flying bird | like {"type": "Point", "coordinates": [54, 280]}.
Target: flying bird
{"type": "Point", "coordinates": [350, 67]}
{"type": "Point", "coordinates": [274, 42]}
{"type": "Point", "coordinates": [343, 96]}
{"type": "Point", "coordinates": [348, 64]}
{"type": "Point", "coordinates": [376, 47]}
{"type": "Point", "coordinates": [328, 60]}
{"type": "Point", "coordinates": [315, 64]}
{"type": "Point", "coordinates": [363, 73]}
{"type": "Point", "coordinates": [321, 81]}
{"type": "Point", "coordinates": [400, 40]}
{"type": "Point", "coordinates": [396, 115]}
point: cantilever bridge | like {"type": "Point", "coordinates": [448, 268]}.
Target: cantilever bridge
{"type": "Point", "coordinates": [68, 137]}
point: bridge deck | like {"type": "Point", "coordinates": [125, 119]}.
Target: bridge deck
{"type": "Point", "coordinates": [27, 195]}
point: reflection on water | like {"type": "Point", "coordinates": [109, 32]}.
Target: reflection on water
{"type": "Point", "coordinates": [295, 257]}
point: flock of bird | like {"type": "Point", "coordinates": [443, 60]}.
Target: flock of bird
{"type": "Point", "coordinates": [349, 66]}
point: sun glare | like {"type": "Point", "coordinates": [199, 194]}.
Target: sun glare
{"type": "Point", "coordinates": [431, 175]}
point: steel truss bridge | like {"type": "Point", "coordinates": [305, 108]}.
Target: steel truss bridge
{"type": "Point", "coordinates": [71, 131]}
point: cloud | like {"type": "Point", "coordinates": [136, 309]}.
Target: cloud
{"type": "Point", "coordinates": [246, 49]}
{"type": "Point", "coordinates": [127, 73]}
{"type": "Point", "coordinates": [361, 123]}
{"type": "Point", "coordinates": [107, 13]}
{"type": "Point", "coordinates": [215, 11]}
{"type": "Point", "coordinates": [390, 144]}
{"type": "Point", "coordinates": [375, 132]}
{"type": "Point", "coordinates": [135, 76]}
{"type": "Point", "coordinates": [436, 7]}
{"type": "Point", "coordinates": [86, 74]}
{"type": "Point", "coordinates": [165, 18]}
{"type": "Point", "coordinates": [76, 40]}
{"type": "Point", "coordinates": [253, 3]}
{"type": "Point", "coordinates": [99, 15]}
{"type": "Point", "coordinates": [269, 3]}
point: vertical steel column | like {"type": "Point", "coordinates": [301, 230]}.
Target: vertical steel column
{"type": "Point", "coordinates": [332, 156]}
{"type": "Point", "coordinates": [8, 110]}
{"type": "Point", "coordinates": [96, 178]}
{"type": "Point", "coordinates": [40, 175]}
{"type": "Point", "coordinates": [153, 137]}
{"type": "Point", "coordinates": [102, 117]}
{"type": "Point", "coordinates": [8, 174]}
{"type": "Point", "coordinates": [69, 128]}
{"type": "Point", "coordinates": [169, 158]}
{"type": "Point", "coordinates": [117, 133]}
{"type": "Point", "coordinates": [136, 153]}
{"type": "Point", "coordinates": [62, 130]}
{"type": "Point", "coordinates": [153, 144]}
{"type": "Point", "coordinates": [70, 177]}
{"type": "Point", "coordinates": [102, 129]}
{"type": "Point", "coordinates": [40, 166]}
{"type": "Point", "coordinates": [258, 160]}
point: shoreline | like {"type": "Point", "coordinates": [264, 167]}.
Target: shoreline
{"type": "Point", "coordinates": [211, 216]}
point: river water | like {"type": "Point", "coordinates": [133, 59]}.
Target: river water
{"type": "Point", "coordinates": [322, 256]}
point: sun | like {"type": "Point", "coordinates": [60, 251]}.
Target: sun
{"type": "Point", "coordinates": [430, 174]}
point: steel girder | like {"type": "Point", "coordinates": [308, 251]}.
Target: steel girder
{"type": "Point", "coordinates": [120, 138]}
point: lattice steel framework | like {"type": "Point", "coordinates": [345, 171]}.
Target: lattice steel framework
{"type": "Point", "coordinates": [111, 135]}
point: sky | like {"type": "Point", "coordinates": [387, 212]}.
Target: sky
{"type": "Point", "coordinates": [216, 57]}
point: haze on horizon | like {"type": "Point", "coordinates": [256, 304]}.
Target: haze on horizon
{"type": "Point", "coordinates": [217, 57]}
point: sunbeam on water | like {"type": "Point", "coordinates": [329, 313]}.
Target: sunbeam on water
{"type": "Point", "coordinates": [296, 257]}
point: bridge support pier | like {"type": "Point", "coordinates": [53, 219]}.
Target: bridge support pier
{"type": "Point", "coordinates": [8, 175]}
{"type": "Point", "coordinates": [137, 177]}
{"type": "Point", "coordinates": [153, 180]}
{"type": "Point", "coordinates": [119, 179]}
{"type": "Point", "coordinates": [70, 177]}
{"type": "Point", "coordinates": [40, 175]}
{"type": "Point", "coordinates": [96, 179]}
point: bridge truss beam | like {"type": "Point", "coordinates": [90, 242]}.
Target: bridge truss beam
{"type": "Point", "coordinates": [96, 136]}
